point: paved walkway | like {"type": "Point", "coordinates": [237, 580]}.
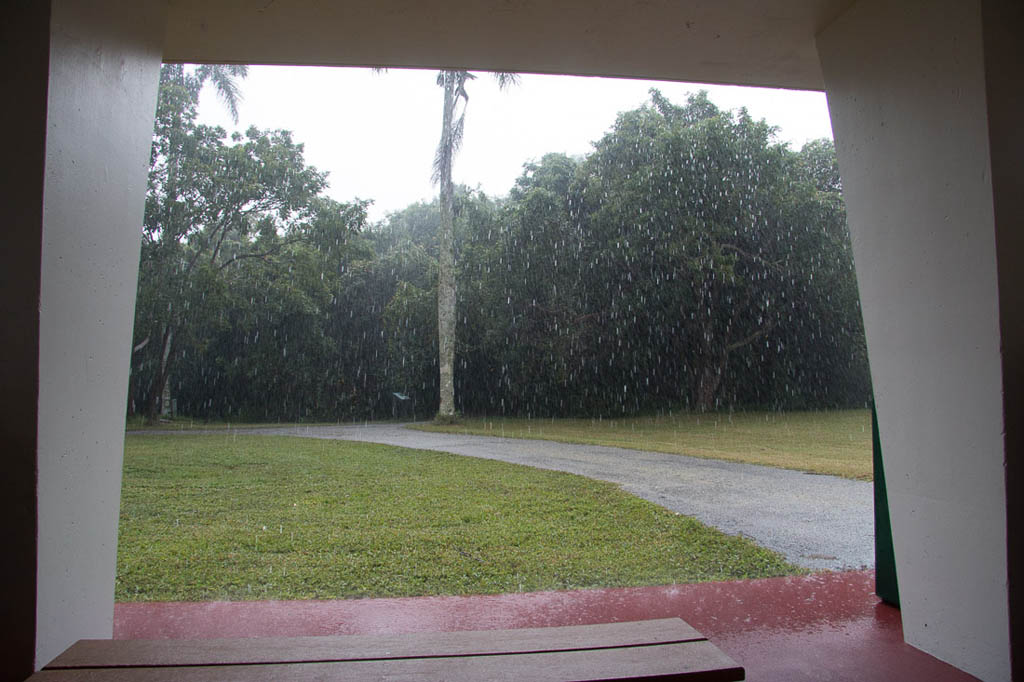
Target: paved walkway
{"type": "Point", "coordinates": [818, 522]}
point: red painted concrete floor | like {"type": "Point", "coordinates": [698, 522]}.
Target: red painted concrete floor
{"type": "Point", "coordinates": [819, 628]}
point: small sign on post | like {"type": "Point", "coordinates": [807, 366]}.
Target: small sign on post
{"type": "Point", "coordinates": [399, 399]}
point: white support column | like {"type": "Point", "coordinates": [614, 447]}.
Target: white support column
{"type": "Point", "coordinates": [906, 91]}
{"type": "Point", "coordinates": [103, 74]}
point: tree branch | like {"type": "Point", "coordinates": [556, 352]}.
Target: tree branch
{"type": "Point", "coordinates": [749, 340]}
{"type": "Point", "coordinates": [264, 254]}
{"type": "Point", "coordinates": [751, 256]}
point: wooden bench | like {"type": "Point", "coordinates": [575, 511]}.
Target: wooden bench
{"type": "Point", "coordinates": [667, 649]}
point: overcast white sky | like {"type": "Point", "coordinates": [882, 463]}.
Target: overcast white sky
{"type": "Point", "coordinates": [375, 133]}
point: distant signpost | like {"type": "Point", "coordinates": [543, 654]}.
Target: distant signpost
{"type": "Point", "coordinates": [397, 405]}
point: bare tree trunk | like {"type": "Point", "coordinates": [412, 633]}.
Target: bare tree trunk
{"type": "Point", "coordinates": [710, 378]}
{"type": "Point", "coordinates": [153, 404]}
{"type": "Point", "coordinates": [713, 368]}
{"type": "Point", "coordinates": [446, 259]}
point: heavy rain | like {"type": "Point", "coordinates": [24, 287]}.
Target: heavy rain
{"type": "Point", "coordinates": [690, 262]}
{"type": "Point", "coordinates": [673, 313]}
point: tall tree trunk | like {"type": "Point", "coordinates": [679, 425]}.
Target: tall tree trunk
{"type": "Point", "coordinates": [709, 379]}
{"type": "Point", "coordinates": [153, 403]}
{"type": "Point", "coordinates": [714, 364]}
{"type": "Point", "coordinates": [446, 258]}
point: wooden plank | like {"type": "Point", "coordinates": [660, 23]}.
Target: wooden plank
{"type": "Point", "coordinates": [123, 653]}
{"type": "Point", "coordinates": [698, 661]}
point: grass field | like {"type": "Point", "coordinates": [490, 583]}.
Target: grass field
{"type": "Point", "coordinates": [215, 517]}
{"type": "Point", "coordinates": [833, 442]}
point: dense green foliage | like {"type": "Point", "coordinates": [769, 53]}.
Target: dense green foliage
{"type": "Point", "coordinates": [256, 517]}
{"type": "Point", "coordinates": [689, 262]}
{"type": "Point", "coordinates": [236, 237]}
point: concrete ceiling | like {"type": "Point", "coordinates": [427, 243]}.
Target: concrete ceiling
{"type": "Point", "coordinates": [746, 42]}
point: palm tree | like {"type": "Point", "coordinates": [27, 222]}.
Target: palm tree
{"type": "Point", "coordinates": [452, 123]}
{"type": "Point", "coordinates": [224, 78]}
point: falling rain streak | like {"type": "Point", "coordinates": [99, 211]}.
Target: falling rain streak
{"type": "Point", "coordinates": [689, 261]}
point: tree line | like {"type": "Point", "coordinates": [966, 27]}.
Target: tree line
{"type": "Point", "coordinates": [690, 261]}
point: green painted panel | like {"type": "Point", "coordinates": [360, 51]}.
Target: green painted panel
{"type": "Point", "coordinates": [886, 585]}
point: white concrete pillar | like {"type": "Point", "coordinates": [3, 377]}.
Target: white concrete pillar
{"type": "Point", "coordinates": [104, 61]}
{"type": "Point", "coordinates": [906, 91]}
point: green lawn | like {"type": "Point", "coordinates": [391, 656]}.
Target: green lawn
{"type": "Point", "coordinates": [214, 517]}
{"type": "Point", "coordinates": [833, 442]}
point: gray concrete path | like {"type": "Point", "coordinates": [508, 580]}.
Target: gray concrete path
{"type": "Point", "coordinates": [819, 522]}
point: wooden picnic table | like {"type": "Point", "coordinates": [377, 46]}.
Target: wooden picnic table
{"type": "Point", "coordinates": [665, 649]}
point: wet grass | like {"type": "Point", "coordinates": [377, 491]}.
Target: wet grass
{"type": "Point", "coordinates": [227, 517]}
{"type": "Point", "coordinates": [828, 442]}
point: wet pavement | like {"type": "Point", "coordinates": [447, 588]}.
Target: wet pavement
{"type": "Point", "coordinates": [816, 628]}
{"type": "Point", "coordinates": [818, 522]}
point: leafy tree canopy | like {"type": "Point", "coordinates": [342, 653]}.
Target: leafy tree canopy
{"type": "Point", "coordinates": [689, 261]}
